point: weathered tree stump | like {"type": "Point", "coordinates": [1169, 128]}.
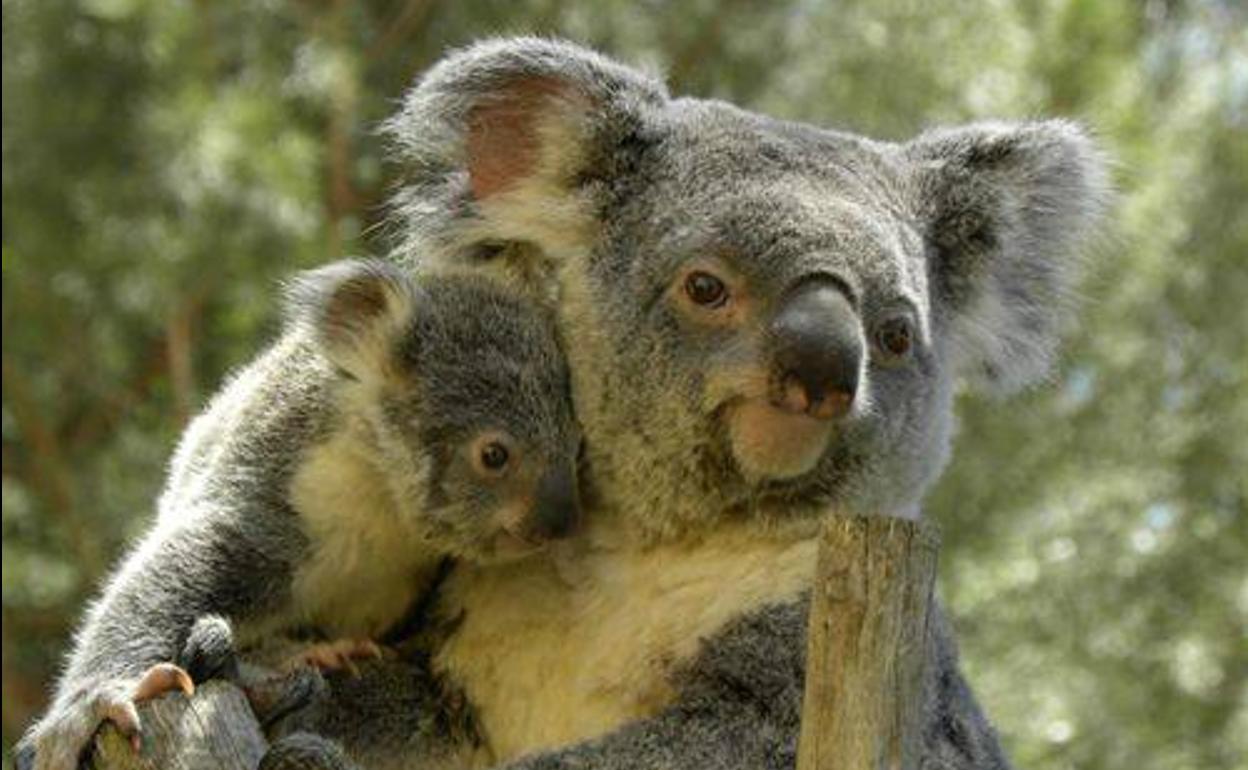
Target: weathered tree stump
{"type": "Point", "coordinates": [866, 645]}
{"type": "Point", "coordinates": [212, 730]}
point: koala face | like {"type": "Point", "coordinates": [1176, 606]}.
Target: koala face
{"type": "Point", "coordinates": [767, 319]}
{"type": "Point", "coordinates": [781, 310]}
{"type": "Point", "coordinates": [464, 396]}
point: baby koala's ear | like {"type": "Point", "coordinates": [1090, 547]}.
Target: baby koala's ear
{"type": "Point", "coordinates": [358, 311]}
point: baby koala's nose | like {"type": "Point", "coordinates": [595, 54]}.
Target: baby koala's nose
{"type": "Point", "coordinates": [557, 508]}
{"type": "Point", "coordinates": [817, 349]}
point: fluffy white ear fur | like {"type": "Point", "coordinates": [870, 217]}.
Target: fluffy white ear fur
{"type": "Point", "coordinates": [525, 145]}
{"type": "Point", "coordinates": [357, 311]}
{"type": "Point", "coordinates": [1008, 208]}
{"type": "Point", "coordinates": [503, 129]}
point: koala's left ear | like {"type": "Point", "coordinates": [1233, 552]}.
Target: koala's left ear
{"type": "Point", "coordinates": [1007, 208]}
{"type": "Point", "coordinates": [358, 312]}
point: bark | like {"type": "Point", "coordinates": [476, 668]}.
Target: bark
{"type": "Point", "coordinates": [212, 730]}
{"type": "Point", "coordinates": [866, 645]}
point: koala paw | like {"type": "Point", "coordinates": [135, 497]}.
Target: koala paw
{"type": "Point", "coordinates": [287, 702]}
{"type": "Point", "coordinates": [305, 751]}
{"type": "Point", "coordinates": [209, 651]}
{"type": "Point", "coordinates": [59, 739]}
{"type": "Point", "coordinates": [336, 655]}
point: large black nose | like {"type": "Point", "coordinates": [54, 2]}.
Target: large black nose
{"type": "Point", "coordinates": [817, 350]}
{"type": "Point", "coordinates": [557, 509]}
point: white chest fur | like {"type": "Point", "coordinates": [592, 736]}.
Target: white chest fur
{"type": "Point", "coordinates": [367, 562]}
{"type": "Point", "coordinates": [548, 661]}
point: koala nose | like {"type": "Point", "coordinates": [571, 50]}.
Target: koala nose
{"type": "Point", "coordinates": [817, 348]}
{"type": "Point", "coordinates": [557, 508]}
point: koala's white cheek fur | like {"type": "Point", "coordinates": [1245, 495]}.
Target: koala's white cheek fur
{"type": "Point", "coordinates": [358, 538]}
{"type": "Point", "coordinates": [547, 663]}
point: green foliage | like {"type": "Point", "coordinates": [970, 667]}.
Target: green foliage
{"type": "Point", "coordinates": [165, 163]}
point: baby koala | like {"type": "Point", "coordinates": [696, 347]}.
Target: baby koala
{"type": "Point", "coordinates": [395, 423]}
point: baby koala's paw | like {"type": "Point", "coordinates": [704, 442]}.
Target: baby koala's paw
{"type": "Point", "coordinates": [336, 655]}
{"type": "Point", "coordinates": [209, 651]}
{"type": "Point", "coordinates": [59, 739]}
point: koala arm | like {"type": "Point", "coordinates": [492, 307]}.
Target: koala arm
{"type": "Point", "coordinates": [741, 708]}
{"type": "Point", "coordinates": [216, 560]}
{"type": "Point", "coordinates": [391, 713]}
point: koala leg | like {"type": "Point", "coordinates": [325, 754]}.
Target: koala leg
{"type": "Point", "coordinates": [335, 655]}
{"type": "Point", "coordinates": [305, 751]}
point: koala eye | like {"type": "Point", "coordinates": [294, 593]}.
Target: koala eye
{"type": "Point", "coordinates": [705, 289]}
{"type": "Point", "coordinates": [494, 456]}
{"type": "Point", "coordinates": [894, 338]}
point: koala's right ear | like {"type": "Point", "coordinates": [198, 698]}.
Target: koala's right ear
{"type": "Point", "coordinates": [1008, 209]}
{"type": "Point", "coordinates": [512, 126]}
{"type": "Point", "coordinates": [357, 311]}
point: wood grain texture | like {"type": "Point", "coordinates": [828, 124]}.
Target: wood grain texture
{"type": "Point", "coordinates": [866, 645]}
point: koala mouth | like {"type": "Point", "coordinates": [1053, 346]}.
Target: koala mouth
{"type": "Point", "coordinates": [771, 443]}
{"type": "Point", "coordinates": [514, 543]}
{"type": "Point", "coordinates": [513, 536]}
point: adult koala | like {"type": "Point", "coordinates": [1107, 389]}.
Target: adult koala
{"type": "Point", "coordinates": [764, 321]}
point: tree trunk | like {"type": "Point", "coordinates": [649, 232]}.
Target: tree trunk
{"type": "Point", "coordinates": [212, 730]}
{"type": "Point", "coordinates": [866, 645]}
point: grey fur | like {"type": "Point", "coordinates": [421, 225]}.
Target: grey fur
{"type": "Point", "coordinates": [970, 234]}
{"type": "Point", "coordinates": [391, 714]}
{"type": "Point", "coordinates": [977, 230]}
{"type": "Point", "coordinates": [741, 701]}
{"type": "Point", "coordinates": [458, 356]}
{"type": "Point", "coordinates": [974, 232]}
{"type": "Point", "coordinates": [739, 707]}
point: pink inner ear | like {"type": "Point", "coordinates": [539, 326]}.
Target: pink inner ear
{"type": "Point", "coordinates": [503, 140]}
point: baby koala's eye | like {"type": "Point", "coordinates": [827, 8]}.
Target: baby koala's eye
{"type": "Point", "coordinates": [894, 338]}
{"type": "Point", "coordinates": [494, 456]}
{"type": "Point", "coordinates": [705, 289]}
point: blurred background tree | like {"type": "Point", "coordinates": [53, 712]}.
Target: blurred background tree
{"type": "Point", "coordinates": [165, 163]}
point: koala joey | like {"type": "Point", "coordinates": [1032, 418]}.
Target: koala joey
{"type": "Point", "coordinates": [395, 423]}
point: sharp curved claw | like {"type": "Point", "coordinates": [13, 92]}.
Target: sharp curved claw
{"type": "Point", "coordinates": [160, 679]}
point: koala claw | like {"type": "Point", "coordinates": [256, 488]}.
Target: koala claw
{"type": "Point", "coordinates": [337, 655]}
{"type": "Point", "coordinates": [160, 679]}
{"type": "Point", "coordinates": [59, 740]}
{"type": "Point", "coordinates": [125, 715]}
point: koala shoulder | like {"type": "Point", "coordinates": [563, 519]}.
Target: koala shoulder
{"type": "Point", "coordinates": [264, 415]}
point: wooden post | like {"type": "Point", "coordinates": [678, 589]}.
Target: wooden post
{"type": "Point", "coordinates": [212, 730]}
{"type": "Point", "coordinates": [867, 645]}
